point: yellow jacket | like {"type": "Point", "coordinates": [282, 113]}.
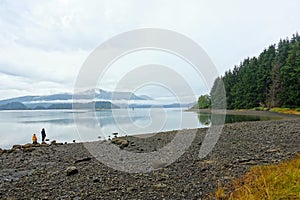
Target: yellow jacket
{"type": "Point", "coordinates": [34, 138]}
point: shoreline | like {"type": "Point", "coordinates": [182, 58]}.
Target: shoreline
{"type": "Point", "coordinates": [268, 114]}
{"type": "Point", "coordinates": [248, 112]}
{"type": "Point", "coordinates": [41, 172]}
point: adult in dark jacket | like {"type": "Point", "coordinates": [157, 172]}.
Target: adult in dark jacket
{"type": "Point", "coordinates": [43, 132]}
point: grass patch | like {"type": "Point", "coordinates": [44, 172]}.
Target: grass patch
{"type": "Point", "coordinates": [280, 181]}
{"type": "Point", "coordinates": [279, 109]}
{"type": "Point", "coordinates": [260, 109]}
{"type": "Point", "coordinates": [286, 110]}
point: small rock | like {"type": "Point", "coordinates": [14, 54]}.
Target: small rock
{"type": "Point", "coordinates": [71, 170]}
{"type": "Point", "coordinates": [83, 160]}
{"type": "Point", "coordinates": [110, 188]}
{"type": "Point", "coordinates": [251, 162]}
{"type": "Point", "coordinates": [54, 173]}
{"type": "Point", "coordinates": [96, 180]}
{"type": "Point", "coordinates": [160, 185]}
{"type": "Point", "coordinates": [53, 142]}
{"type": "Point", "coordinates": [28, 145]}
{"type": "Point", "coordinates": [28, 149]}
{"type": "Point", "coordinates": [273, 150]}
{"type": "Point", "coordinates": [17, 146]}
{"type": "Point", "coordinates": [243, 160]}
{"type": "Point", "coordinates": [204, 169]}
{"type": "Point", "coordinates": [209, 162]}
{"type": "Point", "coordinates": [157, 164]}
{"type": "Point", "coordinates": [163, 177]}
{"type": "Point", "coordinates": [130, 189]}
{"type": "Point", "coordinates": [10, 151]}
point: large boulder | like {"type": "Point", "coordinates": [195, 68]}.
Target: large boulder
{"type": "Point", "coordinates": [120, 142]}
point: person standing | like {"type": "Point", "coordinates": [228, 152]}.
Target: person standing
{"type": "Point", "coordinates": [43, 132]}
{"type": "Point", "coordinates": [34, 139]}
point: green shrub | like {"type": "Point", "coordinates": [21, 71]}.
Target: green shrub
{"type": "Point", "coordinates": [279, 109]}
{"type": "Point", "coordinates": [260, 109]}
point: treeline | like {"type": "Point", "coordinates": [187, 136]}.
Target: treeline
{"type": "Point", "coordinates": [270, 80]}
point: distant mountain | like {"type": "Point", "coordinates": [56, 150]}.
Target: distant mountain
{"type": "Point", "coordinates": [89, 99]}
{"type": "Point", "coordinates": [108, 95]}
{"type": "Point", "coordinates": [92, 105]}
{"type": "Point", "coordinates": [97, 98]}
{"type": "Point", "coordinates": [13, 106]}
{"type": "Point", "coordinates": [98, 94]}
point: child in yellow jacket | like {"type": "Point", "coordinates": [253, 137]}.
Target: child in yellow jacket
{"type": "Point", "coordinates": [34, 139]}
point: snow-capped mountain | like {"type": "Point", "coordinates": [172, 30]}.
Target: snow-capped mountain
{"type": "Point", "coordinates": [100, 98]}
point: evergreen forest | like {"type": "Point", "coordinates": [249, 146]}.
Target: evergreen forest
{"type": "Point", "coordinates": [269, 80]}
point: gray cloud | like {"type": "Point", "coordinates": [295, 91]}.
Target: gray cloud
{"type": "Point", "coordinates": [47, 41]}
{"type": "Point", "coordinates": [15, 85]}
{"type": "Point", "coordinates": [33, 73]}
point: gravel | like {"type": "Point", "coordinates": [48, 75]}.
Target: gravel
{"type": "Point", "coordinates": [41, 172]}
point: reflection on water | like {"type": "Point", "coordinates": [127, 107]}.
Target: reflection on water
{"type": "Point", "coordinates": [205, 118]}
{"type": "Point", "coordinates": [17, 127]}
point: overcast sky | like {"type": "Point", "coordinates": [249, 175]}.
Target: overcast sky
{"type": "Point", "coordinates": [43, 44]}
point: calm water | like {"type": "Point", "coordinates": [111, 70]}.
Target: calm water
{"type": "Point", "coordinates": [17, 127]}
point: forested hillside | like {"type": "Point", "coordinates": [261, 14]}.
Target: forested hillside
{"type": "Point", "coordinates": [270, 80]}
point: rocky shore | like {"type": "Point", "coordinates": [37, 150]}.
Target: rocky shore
{"type": "Point", "coordinates": [69, 171]}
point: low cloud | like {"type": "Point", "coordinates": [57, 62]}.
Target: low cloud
{"type": "Point", "coordinates": [15, 86]}
{"type": "Point", "coordinates": [44, 44]}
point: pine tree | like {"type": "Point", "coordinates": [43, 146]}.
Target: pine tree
{"type": "Point", "coordinates": [270, 80]}
{"type": "Point", "coordinates": [290, 73]}
{"type": "Point", "coordinates": [218, 96]}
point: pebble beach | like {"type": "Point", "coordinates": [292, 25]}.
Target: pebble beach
{"type": "Point", "coordinates": [70, 171]}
